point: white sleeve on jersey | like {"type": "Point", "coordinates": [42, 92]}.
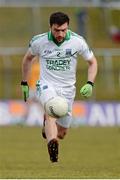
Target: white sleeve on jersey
{"type": "Point", "coordinates": [85, 51]}
{"type": "Point", "coordinates": [33, 47]}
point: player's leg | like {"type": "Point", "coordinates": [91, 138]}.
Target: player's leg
{"type": "Point", "coordinates": [62, 131]}
{"type": "Point", "coordinates": [64, 123]}
{"type": "Point", "coordinates": [51, 135]}
{"type": "Point", "coordinates": [49, 127]}
{"type": "Point", "coordinates": [43, 128]}
{"type": "Point", "coordinates": [46, 92]}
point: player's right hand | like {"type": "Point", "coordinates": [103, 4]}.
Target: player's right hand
{"type": "Point", "coordinates": [25, 90]}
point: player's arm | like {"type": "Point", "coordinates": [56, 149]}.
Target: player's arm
{"type": "Point", "coordinates": [86, 90]}
{"type": "Point", "coordinates": [92, 69]}
{"type": "Point", "coordinates": [26, 65]}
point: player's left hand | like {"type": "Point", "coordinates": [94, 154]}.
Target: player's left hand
{"type": "Point", "coordinates": [86, 90]}
{"type": "Point", "coordinates": [25, 90]}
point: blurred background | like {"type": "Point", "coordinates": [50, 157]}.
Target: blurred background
{"type": "Point", "coordinates": [97, 150]}
{"type": "Point", "coordinates": [98, 21]}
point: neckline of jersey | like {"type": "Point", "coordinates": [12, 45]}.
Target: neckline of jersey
{"type": "Point", "coordinates": [51, 37]}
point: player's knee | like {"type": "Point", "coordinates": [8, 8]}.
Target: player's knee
{"type": "Point", "coordinates": [62, 134]}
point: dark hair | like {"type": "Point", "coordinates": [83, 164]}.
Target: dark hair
{"type": "Point", "coordinates": [59, 18]}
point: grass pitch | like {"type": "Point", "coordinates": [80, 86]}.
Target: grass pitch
{"type": "Point", "coordinates": [84, 153]}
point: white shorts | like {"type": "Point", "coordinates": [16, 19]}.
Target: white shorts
{"type": "Point", "coordinates": [47, 91]}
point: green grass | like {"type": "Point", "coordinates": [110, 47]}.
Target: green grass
{"type": "Point", "coordinates": [84, 153]}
